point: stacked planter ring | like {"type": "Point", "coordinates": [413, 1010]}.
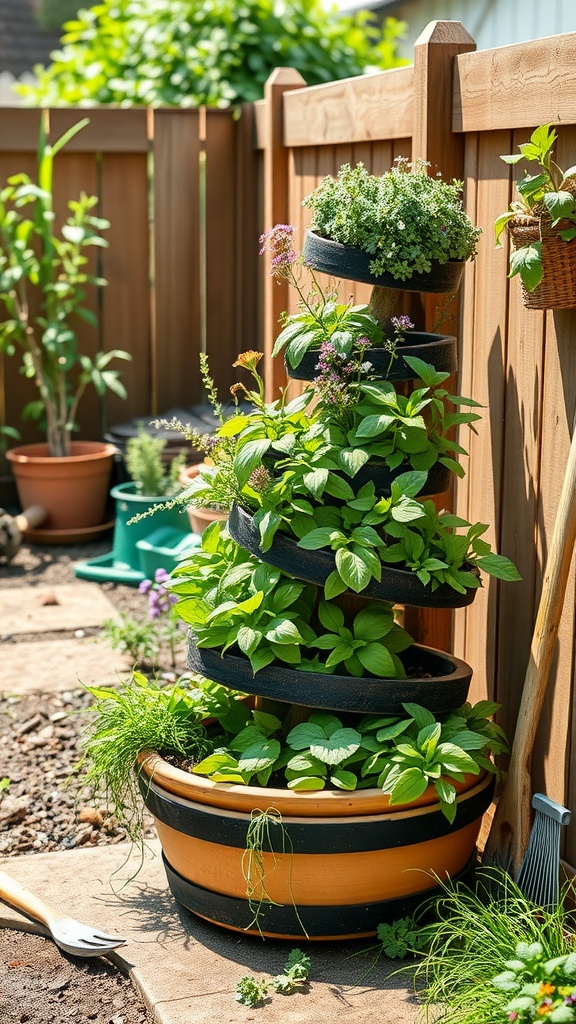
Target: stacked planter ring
{"type": "Point", "coordinates": [340, 862]}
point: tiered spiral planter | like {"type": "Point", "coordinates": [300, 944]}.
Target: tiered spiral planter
{"type": "Point", "coordinates": [343, 861]}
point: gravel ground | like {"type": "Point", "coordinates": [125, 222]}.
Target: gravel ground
{"type": "Point", "coordinates": [39, 746]}
{"type": "Point", "coordinates": [41, 808]}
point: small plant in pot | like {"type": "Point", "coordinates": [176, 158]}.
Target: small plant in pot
{"type": "Point", "coordinates": [150, 529]}
{"type": "Point", "coordinates": [43, 282]}
{"type": "Point", "coordinates": [323, 323]}
{"type": "Point", "coordinates": [542, 226]}
{"type": "Point", "coordinates": [403, 229]}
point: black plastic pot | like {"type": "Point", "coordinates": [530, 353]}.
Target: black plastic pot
{"type": "Point", "coordinates": [354, 264]}
{"type": "Point", "coordinates": [401, 586]}
{"type": "Point", "coordinates": [440, 350]}
{"type": "Point", "coordinates": [436, 680]}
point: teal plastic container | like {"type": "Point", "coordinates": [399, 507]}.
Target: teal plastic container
{"type": "Point", "coordinates": [123, 563]}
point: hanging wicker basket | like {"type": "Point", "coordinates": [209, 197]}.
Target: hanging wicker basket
{"type": "Point", "coordinates": [557, 289]}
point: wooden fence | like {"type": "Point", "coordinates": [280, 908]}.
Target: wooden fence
{"type": "Point", "coordinates": [460, 110]}
{"type": "Point", "coordinates": [180, 189]}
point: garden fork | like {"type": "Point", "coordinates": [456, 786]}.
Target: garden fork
{"type": "Point", "coordinates": [73, 937]}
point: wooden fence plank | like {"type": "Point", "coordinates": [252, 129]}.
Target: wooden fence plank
{"type": "Point", "coordinates": [486, 350]}
{"type": "Point", "coordinates": [176, 328]}
{"type": "Point", "coordinates": [248, 228]}
{"type": "Point", "coordinates": [516, 86]}
{"type": "Point", "coordinates": [352, 110]}
{"type": "Point", "coordinates": [125, 263]}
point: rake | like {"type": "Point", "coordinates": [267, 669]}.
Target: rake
{"type": "Point", "coordinates": [538, 878]}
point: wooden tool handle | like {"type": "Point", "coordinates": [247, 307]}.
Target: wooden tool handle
{"type": "Point", "coordinates": [31, 517]}
{"type": "Point", "coordinates": [26, 902]}
{"type": "Point", "coordinates": [511, 826]}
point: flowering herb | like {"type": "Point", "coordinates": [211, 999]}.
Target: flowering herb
{"type": "Point", "coordinates": [544, 989]}
{"type": "Point", "coordinates": [405, 221]}
{"type": "Point", "coordinates": [321, 318]}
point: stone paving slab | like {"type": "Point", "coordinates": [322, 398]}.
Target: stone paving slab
{"type": "Point", "coordinates": [54, 666]}
{"type": "Point", "coordinates": [45, 609]}
{"type": "Point", "coordinates": [186, 969]}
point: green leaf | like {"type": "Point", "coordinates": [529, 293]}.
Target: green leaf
{"type": "Point", "coordinates": [259, 755]}
{"type": "Point", "coordinates": [352, 459]}
{"type": "Point", "coordinates": [336, 748]}
{"type": "Point", "coordinates": [343, 779]}
{"type": "Point", "coordinates": [334, 586]}
{"type": "Point", "coordinates": [499, 566]}
{"type": "Point", "coordinates": [307, 782]}
{"type": "Point", "coordinates": [249, 457]}
{"type": "Point", "coordinates": [421, 715]}
{"type": "Point", "coordinates": [377, 660]}
{"type": "Point", "coordinates": [411, 784]}
{"type": "Point", "coordinates": [319, 538]}
{"type": "Point", "coordinates": [331, 616]}
{"type": "Point", "coordinates": [248, 639]}
{"type": "Point", "coordinates": [528, 263]}
{"type": "Point", "coordinates": [352, 570]}
{"type": "Point", "coordinates": [372, 623]}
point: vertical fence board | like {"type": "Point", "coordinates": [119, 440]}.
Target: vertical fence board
{"type": "Point", "coordinates": [248, 297]}
{"type": "Point", "coordinates": [125, 319]}
{"type": "Point", "coordinates": [176, 311]}
{"type": "Point", "coordinates": [486, 351]}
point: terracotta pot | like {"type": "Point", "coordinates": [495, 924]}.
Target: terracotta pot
{"type": "Point", "coordinates": [440, 350]}
{"type": "Point", "coordinates": [440, 682]}
{"type": "Point", "coordinates": [354, 264]}
{"type": "Point", "coordinates": [200, 518]}
{"type": "Point", "coordinates": [399, 585]}
{"type": "Point", "coordinates": [73, 489]}
{"type": "Point", "coordinates": [347, 861]}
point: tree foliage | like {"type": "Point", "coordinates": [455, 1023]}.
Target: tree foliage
{"type": "Point", "coordinates": [213, 52]}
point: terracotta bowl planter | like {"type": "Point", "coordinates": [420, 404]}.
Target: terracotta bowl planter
{"type": "Point", "coordinates": [200, 518]}
{"type": "Point", "coordinates": [401, 586]}
{"type": "Point", "coordinates": [346, 860]}
{"type": "Point", "coordinates": [72, 489]}
{"type": "Point", "coordinates": [354, 264]}
{"type": "Point", "coordinates": [436, 680]}
{"type": "Point", "coordinates": [440, 350]}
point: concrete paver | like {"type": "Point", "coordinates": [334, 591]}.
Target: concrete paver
{"type": "Point", "coordinates": [53, 666]}
{"type": "Point", "coordinates": [65, 606]}
{"type": "Point", "coordinates": [186, 969]}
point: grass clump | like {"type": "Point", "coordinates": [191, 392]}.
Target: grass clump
{"type": "Point", "coordinates": [475, 934]}
{"type": "Point", "coordinates": [137, 716]}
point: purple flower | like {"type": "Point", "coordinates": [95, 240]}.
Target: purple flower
{"type": "Point", "coordinates": [160, 576]}
{"type": "Point", "coordinates": [144, 586]}
{"type": "Point", "coordinates": [402, 323]}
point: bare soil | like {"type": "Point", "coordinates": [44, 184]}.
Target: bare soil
{"type": "Point", "coordinates": [39, 745]}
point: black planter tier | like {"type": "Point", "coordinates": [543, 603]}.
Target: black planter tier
{"type": "Point", "coordinates": [436, 680]}
{"type": "Point", "coordinates": [401, 586]}
{"type": "Point", "coordinates": [354, 264]}
{"type": "Point", "coordinates": [440, 350]}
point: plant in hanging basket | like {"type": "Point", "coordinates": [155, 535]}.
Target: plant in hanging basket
{"type": "Point", "coordinates": [401, 228]}
{"type": "Point", "coordinates": [542, 226]}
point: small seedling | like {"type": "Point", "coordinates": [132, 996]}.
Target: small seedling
{"type": "Point", "coordinates": [401, 938]}
{"type": "Point", "coordinates": [4, 784]}
{"type": "Point", "coordinates": [250, 991]}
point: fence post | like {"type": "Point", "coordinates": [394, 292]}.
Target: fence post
{"type": "Point", "coordinates": [434, 141]}
{"type": "Point", "coordinates": [276, 206]}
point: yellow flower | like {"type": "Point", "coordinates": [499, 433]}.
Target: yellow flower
{"type": "Point", "coordinates": [546, 989]}
{"type": "Point", "coordinates": [249, 360]}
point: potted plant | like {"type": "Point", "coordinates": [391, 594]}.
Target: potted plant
{"type": "Point", "coordinates": [386, 336]}
{"type": "Point", "coordinates": [150, 530]}
{"type": "Point", "coordinates": [297, 804]}
{"type": "Point", "coordinates": [542, 226]}
{"type": "Point", "coordinates": [43, 279]}
{"type": "Point", "coordinates": [347, 807]}
{"type": "Point", "coordinates": [403, 229]}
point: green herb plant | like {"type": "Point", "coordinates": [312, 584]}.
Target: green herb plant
{"type": "Point", "coordinates": [400, 755]}
{"type": "Point", "coordinates": [402, 938]}
{"type": "Point", "coordinates": [151, 475]}
{"type": "Point", "coordinates": [43, 283]}
{"type": "Point", "coordinates": [404, 219]}
{"type": "Point", "coordinates": [250, 990]}
{"type": "Point", "coordinates": [549, 196]}
{"type": "Point", "coordinates": [472, 939]}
